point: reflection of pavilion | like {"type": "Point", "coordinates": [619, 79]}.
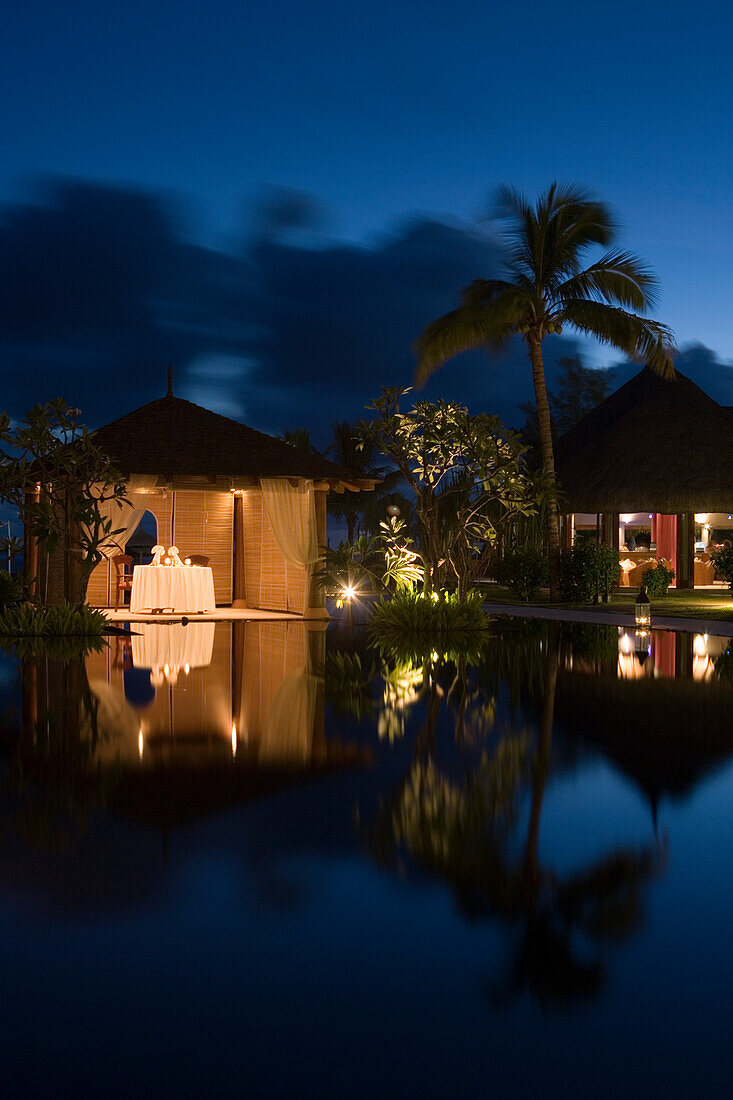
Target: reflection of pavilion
{"type": "Point", "coordinates": [211, 691]}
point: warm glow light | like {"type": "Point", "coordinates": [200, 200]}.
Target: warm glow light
{"type": "Point", "coordinates": [700, 517]}
{"type": "Point", "coordinates": [625, 643]}
{"type": "Point", "coordinates": [166, 670]}
{"type": "Point", "coordinates": [625, 519]}
{"type": "Point", "coordinates": [234, 738]}
{"type": "Point", "coordinates": [700, 645]}
{"type": "Point", "coordinates": [349, 592]}
{"type": "Point", "coordinates": [187, 668]}
{"type": "Point", "coordinates": [140, 742]}
{"type": "Point", "coordinates": [188, 561]}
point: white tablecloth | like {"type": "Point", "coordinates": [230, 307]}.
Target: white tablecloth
{"type": "Point", "coordinates": [189, 588]}
{"type": "Point", "coordinates": [155, 645]}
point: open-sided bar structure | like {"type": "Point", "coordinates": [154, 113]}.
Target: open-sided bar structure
{"type": "Point", "coordinates": [655, 455]}
{"type": "Point", "coordinates": [253, 504]}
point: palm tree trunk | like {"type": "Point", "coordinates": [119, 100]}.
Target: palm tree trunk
{"type": "Point", "coordinates": [548, 460]}
{"type": "Point", "coordinates": [542, 764]}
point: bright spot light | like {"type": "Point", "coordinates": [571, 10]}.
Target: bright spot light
{"type": "Point", "coordinates": [140, 742]}
{"type": "Point", "coordinates": [234, 738]}
{"type": "Point", "coordinates": [349, 592]}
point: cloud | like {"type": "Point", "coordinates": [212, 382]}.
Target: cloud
{"type": "Point", "coordinates": [102, 286]}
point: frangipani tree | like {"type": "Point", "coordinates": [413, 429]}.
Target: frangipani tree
{"type": "Point", "coordinates": [466, 473]}
{"type": "Point", "coordinates": [546, 285]}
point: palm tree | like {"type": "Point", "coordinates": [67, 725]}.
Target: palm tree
{"type": "Point", "coordinates": [545, 286]}
{"type": "Point", "coordinates": [350, 450]}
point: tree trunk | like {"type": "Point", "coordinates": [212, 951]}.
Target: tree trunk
{"type": "Point", "coordinates": [548, 461]}
{"type": "Point", "coordinates": [542, 763]}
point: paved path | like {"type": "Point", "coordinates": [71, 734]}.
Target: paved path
{"type": "Point", "coordinates": [723, 627]}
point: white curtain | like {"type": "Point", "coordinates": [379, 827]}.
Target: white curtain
{"type": "Point", "coordinates": [125, 517]}
{"type": "Point", "coordinates": [287, 735]}
{"type": "Point", "coordinates": [291, 511]}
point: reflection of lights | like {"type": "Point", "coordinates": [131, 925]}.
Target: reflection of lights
{"type": "Point", "coordinates": [700, 645]}
{"type": "Point", "coordinates": [166, 670]}
{"type": "Point", "coordinates": [187, 668]}
{"type": "Point", "coordinates": [234, 738]}
{"type": "Point", "coordinates": [625, 644]}
{"type": "Point", "coordinates": [140, 742]}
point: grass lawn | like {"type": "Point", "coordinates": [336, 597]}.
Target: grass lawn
{"type": "Point", "coordinates": [704, 604]}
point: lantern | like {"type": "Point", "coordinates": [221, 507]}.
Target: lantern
{"type": "Point", "coordinates": [643, 609]}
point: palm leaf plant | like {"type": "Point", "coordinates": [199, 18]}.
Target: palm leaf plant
{"type": "Point", "coordinates": [545, 286]}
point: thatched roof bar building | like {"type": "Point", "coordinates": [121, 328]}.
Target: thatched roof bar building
{"type": "Point", "coordinates": [656, 448]}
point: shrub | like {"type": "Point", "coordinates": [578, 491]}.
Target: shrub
{"type": "Point", "coordinates": [657, 580]}
{"type": "Point", "coordinates": [587, 571]}
{"type": "Point", "coordinates": [523, 572]}
{"type": "Point", "coordinates": [414, 625]}
{"type": "Point", "coordinates": [28, 621]}
{"type": "Point", "coordinates": [11, 589]}
{"type": "Point", "coordinates": [723, 561]}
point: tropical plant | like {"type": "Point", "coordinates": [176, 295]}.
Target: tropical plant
{"type": "Point", "coordinates": [545, 287]}
{"type": "Point", "coordinates": [588, 570]}
{"type": "Point", "coordinates": [377, 564]}
{"type": "Point", "coordinates": [61, 621]}
{"type": "Point", "coordinates": [723, 561]}
{"type": "Point", "coordinates": [523, 572]}
{"type": "Point", "coordinates": [414, 625]}
{"type": "Point", "coordinates": [60, 482]}
{"type": "Point", "coordinates": [657, 579]}
{"type": "Point", "coordinates": [11, 589]}
{"type": "Point", "coordinates": [467, 476]}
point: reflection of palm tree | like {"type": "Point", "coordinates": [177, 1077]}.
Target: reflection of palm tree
{"type": "Point", "coordinates": [461, 832]}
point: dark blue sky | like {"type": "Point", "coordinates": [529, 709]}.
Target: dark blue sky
{"type": "Point", "coordinates": [396, 118]}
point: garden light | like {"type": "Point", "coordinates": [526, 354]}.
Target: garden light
{"type": "Point", "coordinates": [643, 609]}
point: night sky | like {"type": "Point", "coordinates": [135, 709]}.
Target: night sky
{"type": "Point", "coordinates": [277, 197]}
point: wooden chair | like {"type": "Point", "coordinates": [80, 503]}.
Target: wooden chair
{"type": "Point", "coordinates": [123, 578]}
{"type": "Point", "coordinates": [197, 559]}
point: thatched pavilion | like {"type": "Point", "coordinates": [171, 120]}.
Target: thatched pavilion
{"type": "Point", "coordinates": [251, 503]}
{"type": "Point", "coordinates": [654, 454]}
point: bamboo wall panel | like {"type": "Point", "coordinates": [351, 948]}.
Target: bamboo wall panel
{"type": "Point", "coordinates": [203, 523]}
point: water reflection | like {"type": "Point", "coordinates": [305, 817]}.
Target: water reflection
{"type": "Point", "coordinates": [472, 829]}
{"type": "Point", "coordinates": [449, 770]}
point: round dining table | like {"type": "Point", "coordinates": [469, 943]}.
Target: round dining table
{"type": "Point", "coordinates": [188, 588]}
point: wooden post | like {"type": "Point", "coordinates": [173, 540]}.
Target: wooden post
{"type": "Point", "coordinates": [30, 548]}
{"type": "Point", "coordinates": [686, 550]}
{"type": "Point", "coordinates": [316, 603]}
{"type": "Point", "coordinates": [609, 529]}
{"type": "Point", "coordinates": [239, 593]}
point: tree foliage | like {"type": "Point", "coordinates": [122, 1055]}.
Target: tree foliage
{"type": "Point", "coordinates": [466, 473]}
{"type": "Point", "coordinates": [59, 480]}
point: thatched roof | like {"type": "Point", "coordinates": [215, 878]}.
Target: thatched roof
{"type": "Point", "coordinates": [651, 446]}
{"type": "Point", "coordinates": [175, 438]}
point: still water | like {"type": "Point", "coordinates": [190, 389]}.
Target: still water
{"type": "Point", "coordinates": [256, 859]}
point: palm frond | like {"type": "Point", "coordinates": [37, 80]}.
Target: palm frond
{"type": "Point", "coordinates": [465, 328]}
{"type": "Point", "coordinates": [638, 337]}
{"type": "Point", "coordinates": [618, 277]}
